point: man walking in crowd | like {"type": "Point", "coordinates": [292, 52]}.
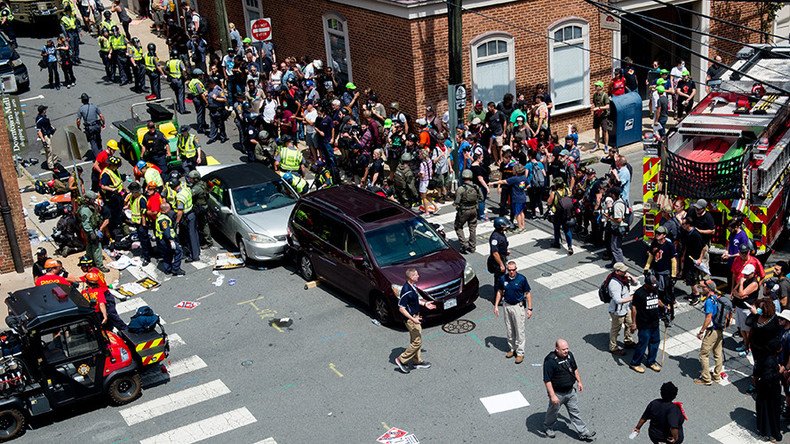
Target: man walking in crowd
{"type": "Point", "coordinates": [409, 305]}
{"type": "Point", "coordinates": [718, 314]}
{"type": "Point", "coordinates": [619, 288]}
{"type": "Point", "coordinates": [561, 375]}
{"type": "Point", "coordinates": [517, 294]}
{"type": "Point", "coordinates": [467, 198]}
{"type": "Point", "coordinates": [646, 314]}
{"type": "Point", "coordinates": [666, 417]}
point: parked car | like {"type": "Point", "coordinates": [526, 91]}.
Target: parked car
{"type": "Point", "coordinates": [250, 204]}
{"type": "Point", "coordinates": [362, 244]}
{"type": "Point", "coordinates": [11, 66]}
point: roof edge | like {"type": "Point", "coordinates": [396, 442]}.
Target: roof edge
{"type": "Point", "coordinates": [418, 9]}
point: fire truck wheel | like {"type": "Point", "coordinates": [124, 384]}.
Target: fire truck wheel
{"type": "Point", "coordinates": [125, 389]}
{"type": "Point", "coordinates": [12, 424]}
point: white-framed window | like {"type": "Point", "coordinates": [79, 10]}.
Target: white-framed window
{"type": "Point", "coordinates": [569, 64]}
{"type": "Point", "coordinates": [338, 54]}
{"type": "Point", "coordinates": [252, 10]}
{"type": "Point", "coordinates": [493, 67]}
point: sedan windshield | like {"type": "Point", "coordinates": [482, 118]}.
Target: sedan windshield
{"type": "Point", "coordinates": [404, 241]}
{"type": "Point", "coordinates": [262, 197]}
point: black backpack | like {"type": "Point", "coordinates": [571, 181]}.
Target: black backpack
{"type": "Point", "coordinates": [603, 290]}
{"type": "Point", "coordinates": [144, 320]}
{"type": "Point", "coordinates": [723, 312]}
{"type": "Point", "coordinates": [566, 209]}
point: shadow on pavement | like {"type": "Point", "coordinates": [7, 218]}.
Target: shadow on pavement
{"type": "Point", "coordinates": [498, 342]}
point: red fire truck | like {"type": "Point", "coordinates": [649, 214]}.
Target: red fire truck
{"type": "Point", "coordinates": [732, 150]}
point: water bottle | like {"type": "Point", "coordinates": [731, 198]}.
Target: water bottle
{"type": "Point", "coordinates": [633, 435]}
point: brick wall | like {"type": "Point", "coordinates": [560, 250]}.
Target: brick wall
{"type": "Point", "coordinates": [744, 13]}
{"type": "Point", "coordinates": [15, 202]}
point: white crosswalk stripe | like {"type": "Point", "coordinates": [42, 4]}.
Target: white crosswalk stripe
{"type": "Point", "coordinates": [578, 273]}
{"type": "Point", "coordinates": [732, 433]}
{"type": "Point", "coordinates": [175, 340]}
{"type": "Point", "coordinates": [482, 228]}
{"type": "Point", "coordinates": [267, 441]}
{"type": "Point", "coordinates": [156, 407]}
{"type": "Point", "coordinates": [588, 300]}
{"type": "Point", "coordinates": [204, 429]}
{"type": "Point", "coordinates": [177, 368]}
{"type": "Point", "coordinates": [683, 343]}
{"type": "Point", "coordinates": [516, 240]}
{"type": "Point", "coordinates": [442, 218]}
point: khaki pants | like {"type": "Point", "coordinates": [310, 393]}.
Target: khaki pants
{"type": "Point", "coordinates": [617, 325]}
{"type": "Point", "coordinates": [463, 217]}
{"type": "Point", "coordinates": [47, 148]}
{"type": "Point", "coordinates": [415, 343]}
{"type": "Point", "coordinates": [515, 317]}
{"type": "Point", "coordinates": [712, 341]}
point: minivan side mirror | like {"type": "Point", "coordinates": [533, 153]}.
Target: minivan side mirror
{"type": "Point", "coordinates": [361, 260]}
{"type": "Point", "coordinates": [225, 210]}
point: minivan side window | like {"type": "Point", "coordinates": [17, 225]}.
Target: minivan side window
{"type": "Point", "coordinates": [353, 246]}
{"type": "Point", "coordinates": [306, 217]}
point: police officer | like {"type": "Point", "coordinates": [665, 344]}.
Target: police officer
{"type": "Point", "coordinates": [514, 289]}
{"type": "Point", "coordinates": [137, 204]}
{"type": "Point", "coordinates": [167, 243]}
{"type": "Point", "coordinates": [217, 101]}
{"type": "Point", "coordinates": [405, 191]}
{"type": "Point", "coordinates": [289, 158]}
{"type": "Point", "coordinates": [467, 197]}
{"type": "Point", "coordinates": [118, 55]}
{"type": "Point", "coordinates": [265, 148]}
{"type": "Point", "coordinates": [323, 176]}
{"type": "Point", "coordinates": [200, 204]}
{"type": "Point", "coordinates": [7, 22]}
{"type": "Point", "coordinates": [175, 71]}
{"type": "Point", "coordinates": [197, 92]}
{"type": "Point", "coordinates": [154, 71]}
{"type": "Point", "coordinates": [90, 221]}
{"type": "Point", "coordinates": [155, 148]}
{"type": "Point", "coordinates": [70, 26]}
{"type": "Point", "coordinates": [106, 23]}
{"type": "Point", "coordinates": [188, 149]}
{"type": "Point", "coordinates": [138, 66]}
{"type": "Point", "coordinates": [111, 186]}
{"type": "Point", "coordinates": [105, 53]}
{"type": "Point", "coordinates": [186, 220]}
{"type": "Point", "coordinates": [296, 181]}
{"type": "Point", "coordinates": [499, 249]}
{"type": "Point", "coordinates": [91, 116]}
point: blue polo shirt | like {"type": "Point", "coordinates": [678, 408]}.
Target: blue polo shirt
{"type": "Point", "coordinates": [409, 299]}
{"type": "Point", "coordinates": [711, 308]}
{"type": "Point", "coordinates": [513, 290]}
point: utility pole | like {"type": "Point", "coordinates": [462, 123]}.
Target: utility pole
{"type": "Point", "coordinates": [455, 100]}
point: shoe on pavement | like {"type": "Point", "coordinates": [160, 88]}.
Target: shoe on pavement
{"type": "Point", "coordinates": [637, 368]}
{"type": "Point", "coordinates": [179, 273]}
{"type": "Point", "coordinates": [618, 352]}
{"type": "Point", "coordinates": [550, 433]}
{"type": "Point", "coordinates": [655, 367]}
{"type": "Point", "coordinates": [570, 251]}
{"type": "Point", "coordinates": [403, 369]}
{"type": "Point", "coordinates": [589, 436]}
{"type": "Point", "coordinates": [519, 359]}
{"type": "Point", "coordinates": [422, 365]}
{"type": "Point", "coordinates": [104, 269]}
{"type": "Point", "coordinates": [630, 345]}
{"type": "Point", "coordinates": [701, 382]}
{"type": "Point", "coordinates": [510, 354]}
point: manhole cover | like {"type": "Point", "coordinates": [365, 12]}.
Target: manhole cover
{"type": "Point", "coordinates": [546, 274]}
{"type": "Point", "coordinates": [458, 327]}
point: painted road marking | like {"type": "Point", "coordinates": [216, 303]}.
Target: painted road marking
{"type": "Point", "coordinates": [267, 441]}
{"type": "Point", "coordinates": [199, 265]}
{"type": "Point", "coordinates": [177, 368]}
{"type": "Point", "coordinates": [504, 402]}
{"type": "Point", "coordinates": [516, 240]}
{"type": "Point", "coordinates": [334, 369]}
{"type": "Point", "coordinates": [175, 340]}
{"type": "Point", "coordinates": [578, 273]}
{"type": "Point", "coordinates": [204, 429]}
{"type": "Point", "coordinates": [443, 218]}
{"type": "Point", "coordinates": [482, 228]}
{"type": "Point", "coordinates": [732, 433]}
{"type": "Point", "coordinates": [204, 297]}
{"type": "Point", "coordinates": [588, 300]}
{"type": "Point", "coordinates": [178, 400]}
{"type": "Point", "coordinates": [683, 343]}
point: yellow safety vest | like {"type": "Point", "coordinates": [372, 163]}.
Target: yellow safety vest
{"type": "Point", "coordinates": [69, 22]}
{"type": "Point", "coordinates": [117, 183]}
{"type": "Point", "coordinates": [104, 44]}
{"type": "Point", "coordinates": [290, 159]}
{"type": "Point", "coordinates": [134, 207]}
{"type": "Point", "coordinates": [298, 183]}
{"type": "Point", "coordinates": [153, 176]}
{"type": "Point", "coordinates": [174, 68]}
{"type": "Point", "coordinates": [192, 86]}
{"type": "Point", "coordinates": [185, 196]}
{"type": "Point", "coordinates": [162, 219]}
{"type": "Point", "coordinates": [137, 54]}
{"type": "Point", "coordinates": [106, 25]}
{"type": "Point", "coordinates": [171, 196]}
{"type": "Point", "coordinates": [151, 62]}
{"type": "Point", "coordinates": [186, 146]}
{"type": "Point", "coordinates": [118, 42]}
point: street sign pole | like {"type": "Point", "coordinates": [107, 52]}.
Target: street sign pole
{"type": "Point", "coordinates": [455, 47]}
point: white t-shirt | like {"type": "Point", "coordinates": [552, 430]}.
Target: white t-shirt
{"type": "Point", "coordinates": [269, 110]}
{"type": "Point", "coordinates": [309, 117]}
{"type": "Point", "coordinates": [675, 75]}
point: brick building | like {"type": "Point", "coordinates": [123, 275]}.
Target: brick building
{"type": "Point", "coordinates": [9, 177]}
{"type": "Point", "coordinates": [399, 48]}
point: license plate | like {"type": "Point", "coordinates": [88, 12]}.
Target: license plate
{"type": "Point", "coordinates": [450, 303]}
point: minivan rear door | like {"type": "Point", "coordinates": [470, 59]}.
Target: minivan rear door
{"type": "Point", "coordinates": [354, 274]}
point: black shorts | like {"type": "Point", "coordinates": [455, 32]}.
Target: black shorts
{"type": "Point", "coordinates": [599, 120]}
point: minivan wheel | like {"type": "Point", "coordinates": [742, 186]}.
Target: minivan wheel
{"type": "Point", "coordinates": [382, 310]}
{"type": "Point", "coordinates": [12, 424]}
{"type": "Point", "coordinates": [306, 267]}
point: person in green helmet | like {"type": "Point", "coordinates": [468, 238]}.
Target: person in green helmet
{"type": "Point", "coordinates": [662, 112]}
{"type": "Point", "coordinates": [685, 91]}
{"type": "Point", "coordinates": [600, 110]}
{"type": "Point", "coordinates": [350, 99]}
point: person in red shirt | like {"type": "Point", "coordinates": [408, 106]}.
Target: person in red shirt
{"type": "Point", "coordinates": [101, 163]}
{"type": "Point", "coordinates": [154, 203]}
{"type": "Point", "coordinates": [52, 276]}
{"type": "Point", "coordinates": [95, 295]}
{"type": "Point", "coordinates": [618, 83]}
{"type": "Point", "coordinates": [87, 266]}
{"type": "Point", "coordinates": [745, 257]}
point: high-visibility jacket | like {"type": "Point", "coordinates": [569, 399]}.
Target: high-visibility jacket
{"type": "Point", "coordinates": [106, 24]}
{"type": "Point", "coordinates": [184, 196]}
{"type": "Point", "coordinates": [150, 62]}
{"type": "Point", "coordinates": [104, 44]}
{"type": "Point", "coordinates": [192, 86]}
{"type": "Point", "coordinates": [69, 22]}
{"type": "Point", "coordinates": [134, 208]}
{"type": "Point", "coordinates": [152, 176]}
{"type": "Point", "coordinates": [186, 146]}
{"type": "Point", "coordinates": [290, 159]}
{"type": "Point", "coordinates": [118, 42]}
{"type": "Point", "coordinates": [8, 13]}
{"type": "Point", "coordinates": [163, 222]}
{"type": "Point", "coordinates": [299, 184]}
{"type": "Point", "coordinates": [170, 196]}
{"type": "Point", "coordinates": [174, 68]}
{"type": "Point", "coordinates": [137, 54]}
{"type": "Point", "coordinates": [117, 183]}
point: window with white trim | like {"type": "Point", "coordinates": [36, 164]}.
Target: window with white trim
{"type": "Point", "coordinates": [252, 10]}
{"type": "Point", "coordinates": [493, 67]}
{"type": "Point", "coordinates": [569, 64]}
{"type": "Point", "coordinates": [338, 54]}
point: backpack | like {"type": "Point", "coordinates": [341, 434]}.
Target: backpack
{"type": "Point", "coordinates": [433, 137]}
{"type": "Point", "coordinates": [538, 177]}
{"type": "Point", "coordinates": [723, 312]}
{"type": "Point", "coordinates": [144, 320]}
{"type": "Point", "coordinates": [441, 160]}
{"type": "Point", "coordinates": [566, 208]}
{"type": "Point", "coordinates": [603, 290]}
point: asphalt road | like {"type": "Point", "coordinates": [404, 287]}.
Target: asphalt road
{"type": "Point", "coordinates": [330, 376]}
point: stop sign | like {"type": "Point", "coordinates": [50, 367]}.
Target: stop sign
{"type": "Point", "coordinates": [261, 29]}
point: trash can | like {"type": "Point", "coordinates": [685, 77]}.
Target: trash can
{"type": "Point", "coordinates": [626, 118]}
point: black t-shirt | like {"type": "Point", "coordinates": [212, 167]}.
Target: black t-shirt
{"type": "Point", "coordinates": [663, 106]}
{"type": "Point", "coordinates": [750, 299]}
{"type": "Point", "coordinates": [694, 243]}
{"type": "Point", "coordinates": [687, 87]}
{"type": "Point", "coordinates": [506, 110]}
{"type": "Point", "coordinates": [647, 310]}
{"type": "Point", "coordinates": [662, 256]}
{"type": "Point", "coordinates": [479, 171]}
{"type": "Point", "coordinates": [155, 144]}
{"type": "Point", "coordinates": [377, 166]}
{"type": "Point", "coordinates": [663, 417]}
{"type": "Point", "coordinates": [495, 122]}
{"type": "Point", "coordinates": [715, 71]}
{"type": "Point", "coordinates": [631, 81]}
{"type": "Point", "coordinates": [704, 222]}
{"type": "Point", "coordinates": [560, 372]}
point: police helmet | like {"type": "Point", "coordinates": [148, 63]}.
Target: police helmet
{"type": "Point", "coordinates": [263, 134]}
{"type": "Point", "coordinates": [412, 138]}
{"type": "Point", "coordinates": [467, 174]}
{"type": "Point", "coordinates": [174, 182]}
{"type": "Point", "coordinates": [105, 31]}
{"type": "Point", "coordinates": [288, 177]}
{"type": "Point", "coordinates": [135, 40]}
{"type": "Point", "coordinates": [115, 28]}
{"type": "Point", "coordinates": [85, 261]}
{"type": "Point", "coordinates": [107, 13]}
{"type": "Point", "coordinates": [173, 53]}
{"type": "Point", "coordinates": [135, 187]}
{"type": "Point", "coordinates": [499, 222]}
{"type": "Point", "coordinates": [175, 175]}
{"type": "Point", "coordinates": [406, 157]}
{"type": "Point", "coordinates": [184, 128]}
{"type": "Point", "coordinates": [152, 47]}
{"type": "Point", "coordinates": [194, 174]}
{"type": "Point", "coordinates": [114, 161]}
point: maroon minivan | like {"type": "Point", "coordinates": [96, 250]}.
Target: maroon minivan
{"type": "Point", "coordinates": [362, 244]}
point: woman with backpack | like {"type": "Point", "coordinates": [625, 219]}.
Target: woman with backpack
{"type": "Point", "coordinates": [536, 184]}
{"type": "Point", "coordinates": [561, 203]}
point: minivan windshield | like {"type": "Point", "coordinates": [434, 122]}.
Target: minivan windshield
{"type": "Point", "coordinates": [403, 241]}
{"type": "Point", "coordinates": [262, 197]}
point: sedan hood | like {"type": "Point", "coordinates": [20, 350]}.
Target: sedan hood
{"type": "Point", "coordinates": [435, 269]}
{"type": "Point", "coordinates": [272, 223]}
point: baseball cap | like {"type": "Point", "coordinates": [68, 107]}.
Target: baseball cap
{"type": "Point", "coordinates": [660, 82]}
{"type": "Point", "coordinates": [664, 71]}
{"type": "Point", "coordinates": [685, 72]}
{"type": "Point", "coordinates": [744, 248]}
{"type": "Point", "coordinates": [785, 314]}
{"type": "Point", "coordinates": [661, 230]}
{"type": "Point", "coordinates": [42, 108]}
{"type": "Point", "coordinates": [388, 123]}
{"type": "Point", "coordinates": [476, 121]}
{"type": "Point", "coordinates": [660, 89]}
{"type": "Point", "coordinates": [564, 153]}
{"type": "Point", "coordinates": [247, 40]}
{"type": "Point", "coordinates": [619, 266]}
{"type": "Point", "coordinates": [710, 284]}
{"type": "Point", "coordinates": [748, 269]}
{"type": "Point", "coordinates": [701, 204]}
{"type": "Point", "coordinates": [599, 83]}
{"type": "Point", "coordinates": [84, 96]}
{"type": "Point", "coordinates": [351, 86]}
{"type": "Point", "coordinates": [422, 122]}
{"type": "Point", "coordinates": [41, 251]}
{"type": "Point", "coordinates": [506, 148]}
{"type": "Point", "coordinates": [479, 103]}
